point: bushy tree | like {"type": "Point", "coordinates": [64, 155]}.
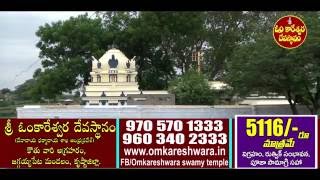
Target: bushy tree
{"type": "Point", "coordinates": [192, 89]}
{"type": "Point", "coordinates": [263, 66]}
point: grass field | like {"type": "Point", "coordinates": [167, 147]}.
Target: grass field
{"type": "Point", "coordinates": [8, 111]}
{"type": "Point", "coordinates": [8, 108]}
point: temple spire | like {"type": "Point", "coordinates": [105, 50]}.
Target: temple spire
{"type": "Point", "coordinates": [112, 46]}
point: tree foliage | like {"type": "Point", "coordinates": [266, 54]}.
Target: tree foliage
{"type": "Point", "coordinates": [192, 88]}
{"type": "Point", "coordinates": [228, 30]}
{"type": "Point", "coordinates": [238, 46]}
{"type": "Point", "coordinates": [265, 67]}
{"type": "Point", "coordinates": [66, 50]}
{"type": "Point", "coordinates": [22, 91]}
{"type": "Point", "coordinates": [161, 42]}
{"type": "Point", "coordinates": [5, 91]}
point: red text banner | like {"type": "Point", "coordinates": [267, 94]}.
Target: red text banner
{"type": "Point", "coordinates": [174, 143]}
{"type": "Point", "coordinates": [57, 143]}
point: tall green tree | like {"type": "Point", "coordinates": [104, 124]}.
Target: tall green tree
{"type": "Point", "coordinates": [192, 88]}
{"type": "Point", "coordinates": [263, 66]}
{"type": "Point", "coordinates": [69, 45]}
{"type": "Point", "coordinates": [53, 82]}
{"type": "Point", "coordinates": [228, 30]}
{"type": "Point", "coordinates": [161, 42]}
{"type": "Point", "coordinates": [308, 63]}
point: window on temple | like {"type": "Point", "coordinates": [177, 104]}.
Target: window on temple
{"type": "Point", "coordinates": [113, 78]}
{"type": "Point", "coordinates": [128, 78]}
{"type": "Point", "coordinates": [98, 78]}
{"type": "Point", "coordinates": [195, 56]}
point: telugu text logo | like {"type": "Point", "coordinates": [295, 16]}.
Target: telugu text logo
{"type": "Point", "coordinates": [289, 32]}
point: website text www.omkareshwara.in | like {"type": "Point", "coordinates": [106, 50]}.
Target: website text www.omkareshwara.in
{"type": "Point", "coordinates": [194, 157]}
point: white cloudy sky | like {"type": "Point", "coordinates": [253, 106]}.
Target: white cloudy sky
{"type": "Point", "coordinates": [18, 51]}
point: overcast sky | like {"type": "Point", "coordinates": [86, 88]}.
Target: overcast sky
{"type": "Point", "coordinates": [18, 51]}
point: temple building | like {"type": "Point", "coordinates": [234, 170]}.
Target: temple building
{"type": "Point", "coordinates": [114, 82]}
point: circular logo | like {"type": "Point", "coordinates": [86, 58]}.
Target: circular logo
{"type": "Point", "coordinates": [289, 32]}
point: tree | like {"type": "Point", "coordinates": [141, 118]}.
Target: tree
{"type": "Point", "coordinates": [308, 63]}
{"type": "Point", "coordinates": [186, 34]}
{"type": "Point", "coordinates": [265, 67]}
{"type": "Point", "coordinates": [22, 91]}
{"type": "Point", "coordinates": [37, 73]}
{"type": "Point", "coordinates": [161, 42]}
{"type": "Point", "coordinates": [67, 47]}
{"type": "Point", "coordinates": [247, 70]}
{"type": "Point", "coordinates": [228, 30]}
{"type": "Point", "coordinates": [5, 91]}
{"type": "Point", "coordinates": [155, 66]}
{"type": "Point", "coordinates": [192, 88]}
{"type": "Point", "coordinates": [52, 82]}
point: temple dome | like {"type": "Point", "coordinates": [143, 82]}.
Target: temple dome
{"type": "Point", "coordinates": [114, 80]}
{"type": "Point", "coordinates": [114, 59]}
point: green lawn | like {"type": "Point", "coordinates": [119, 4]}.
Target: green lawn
{"type": "Point", "coordinates": [8, 108]}
{"type": "Point", "coordinates": [8, 111]}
